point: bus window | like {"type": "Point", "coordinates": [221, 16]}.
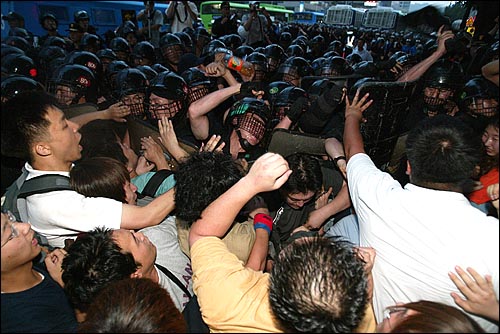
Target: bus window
{"type": "Point", "coordinates": [60, 12]}
{"type": "Point", "coordinates": [104, 17]}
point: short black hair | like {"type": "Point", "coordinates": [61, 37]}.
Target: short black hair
{"type": "Point", "coordinates": [202, 178]}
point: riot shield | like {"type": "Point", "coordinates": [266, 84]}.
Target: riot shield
{"type": "Point", "coordinates": [138, 129]}
{"type": "Point", "coordinates": [385, 117]}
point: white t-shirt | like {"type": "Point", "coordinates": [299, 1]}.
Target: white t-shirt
{"type": "Point", "coordinates": [170, 255]}
{"type": "Point", "coordinates": [181, 18]}
{"type": "Point", "coordinates": [63, 214]}
{"type": "Point", "coordinates": [419, 235]}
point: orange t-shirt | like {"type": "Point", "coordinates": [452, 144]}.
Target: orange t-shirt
{"type": "Point", "coordinates": [481, 196]}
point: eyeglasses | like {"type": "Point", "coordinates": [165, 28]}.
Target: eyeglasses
{"type": "Point", "coordinates": [14, 231]}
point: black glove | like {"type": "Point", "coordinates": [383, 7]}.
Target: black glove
{"type": "Point", "coordinates": [297, 108]}
{"type": "Point", "coordinates": [247, 87]}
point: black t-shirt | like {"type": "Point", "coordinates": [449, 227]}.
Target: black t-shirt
{"type": "Point", "coordinates": [42, 309]}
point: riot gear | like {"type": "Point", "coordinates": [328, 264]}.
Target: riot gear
{"type": "Point", "coordinates": [249, 118]}
{"type": "Point", "coordinates": [275, 56]}
{"type": "Point", "coordinates": [15, 63]}
{"type": "Point", "coordinates": [171, 86]}
{"type": "Point", "coordinates": [144, 50]}
{"type": "Point", "coordinates": [71, 82]}
{"type": "Point", "coordinates": [171, 48]}
{"type": "Point", "coordinates": [259, 62]}
{"type": "Point", "coordinates": [334, 67]}
{"type": "Point", "coordinates": [199, 84]}
{"type": "Point", "coordinates": [130, 88]}
{"type": "Point", "coordinates": [15, 84]}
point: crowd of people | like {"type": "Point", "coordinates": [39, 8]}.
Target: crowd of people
{"type": "Point", "coordinates": [198, 226]}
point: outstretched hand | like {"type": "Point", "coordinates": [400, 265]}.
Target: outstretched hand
{"type": "Point", "coordinates": [478, 291]}
{"type": "Point", "coordinates": [357, 107]}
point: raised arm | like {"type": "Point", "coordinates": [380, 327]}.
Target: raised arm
{"type": "Point", "coordinates": [491, 71]}
{"type": "Point", "coordinates": [269, 172]}
{"type": "Point", "coordinates": [353, 141]}
{"type": "Point", "coordinates": [199, 109]}
{"type": "Point", "coordinates": [419, 69]}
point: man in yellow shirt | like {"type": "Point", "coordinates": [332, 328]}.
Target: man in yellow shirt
{"type": "Point", "coordinates": [316, 285]}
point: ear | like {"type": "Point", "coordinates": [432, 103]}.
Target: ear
{"type": "Point", "coordinates": [42, 149]}
{"type": "Point", "coordinates": [408, 168]}
{"type": "Point", "coordinates": [137, 273]}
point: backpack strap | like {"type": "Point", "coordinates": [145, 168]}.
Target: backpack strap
{"type": "Point", "coordinates": [174, 279]}
{"type": "Point", "coordinates": [44, 184]}
{"type": "Point", "coordinates": [155, 181]}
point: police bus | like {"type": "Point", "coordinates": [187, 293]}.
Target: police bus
{"type": "Point", "coordinates": [308, 17]}
{"type": "Point", "coordinates": [104, 15]}
{"type": "Point", "coordinates": [344, 16]}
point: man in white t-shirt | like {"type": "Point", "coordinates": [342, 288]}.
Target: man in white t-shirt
{"type": "Point", "coordinates": [182, 14]}
{"type": "Point", "coordinates": [51, 144]}
{"type": "Point", "coordinates": [423, 231]}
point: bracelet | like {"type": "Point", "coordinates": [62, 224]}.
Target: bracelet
{"type": "Point", "coordinates": [264, 221]}
{"type": "Point", "coordinates": [262, 226]}
{"type": "Point", "coordinates": [341, 157]}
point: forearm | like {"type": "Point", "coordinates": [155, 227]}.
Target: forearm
{"type": "Point", "coordinates": [258, 255]}
{"type": "Point", "coordinates": [341, 202]}
{"type": "Point", "coordinates": [212, 222]}
{"type": "Point", "coordinates": [136, 217]}
{"type": "Point", "coordinates": [285, 123]}
{"type": "Point", "coordinates": [83, 119]}
{"type": "Point", "coordinates": [334, 148]}
{"type": "Point", "coordinates": [419, 69]}
{"type": "Point", "coordinates": [491, 72]}
{"type": "Point", "coordinates": [353, 141]}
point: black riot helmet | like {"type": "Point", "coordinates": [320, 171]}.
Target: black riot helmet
{"type": "Point", "coordinates": [199, 84]}
{"type": "Point", "coordinates": [130, 87]}
{"type": "Point", "coordinates": [275, 56]}
{"type": "Point", "coordinates": [273, 90]}
{"type": "Point", "coordinates": [129, 81]}
{"type": "Point", "coordinates": [294, 50]}
{"type": "Point", "coordinates": [48, 16]}
{"type": "Point", "coordinates": [285, 99]}
{"type": "Point", "coordinates": [119, 44]}
{"type": "Point", "coordinates": [91, 43]}
{"type": "Point", "coordinates": [171, 86]}
{"type": "Point", "coordinates": [294, 68]}
{"type": "Point", "coordinates": [9, 49]}
{"type": "Point", "coordinates": [56, 41]}
{"type": "Point", "coordinates": [353, 59]}
{"type": "Point", "coordinates": [81, 15]}
{"type": "Point", "coordinates": [15, 84]}
{"type": "Point", "coordinates": [106, 53]}
{"type": "Point", "coordinates": [15, 63]}
{"type": "Point", "coordinates": [148, 71]}
{"type": "Point", "coordinates": [479, 98]}
{"type": "Point", "coordinates": [171, 48]}
{"type": "Point", "coordinates": [48, 54]}
{"type": "Point", "coordinates": [232, 41]}
{"type": "Point", "coordinates": [79, 79]}
{"type": "Point", "coordinates": [285, 39]}
{"type": "Point", "coordinates": [87, 59]}
{"type": "Point", "coordinates": [19, 42]}
{"type": "Point", "coordinates": [186, 40]}
{"type": "Point", "coordinates": [250, 115]}
{"type": "Point", "coordinates": [209, 49]}
{"type": "Point", "coordinates": [259, 62]}
{"type": "Point", "coordinates": [243, 51]}
{"type": "Point", "coordinates": [144, 50]}
{"type": "Point", "coordinates": [335, 66]}
{"type": "Point", "coordinates": [444, 76]}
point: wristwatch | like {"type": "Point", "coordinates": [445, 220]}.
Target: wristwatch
{"type": "Point", "coordinates": [340, 157]}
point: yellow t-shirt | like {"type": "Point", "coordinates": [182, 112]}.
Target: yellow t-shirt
{"type": "Point", "coordinates": [235, 299]}
{"type": "Point", "coordinates": [232, 298]}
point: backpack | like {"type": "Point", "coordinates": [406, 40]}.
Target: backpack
{"type": "Point", "coordinates": [16, 193]}
{"type": "Point", "coordinates": [191, 313]}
